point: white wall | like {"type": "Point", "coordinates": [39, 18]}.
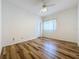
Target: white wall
{"type": "Point", "coordinates": [66, 25]}
{"type": "Point", "coordinates": [0, 28]}
{"type": "Point", "coordinates": [18, 24]}
{"type": "Point", "coordinates": [78, 22]}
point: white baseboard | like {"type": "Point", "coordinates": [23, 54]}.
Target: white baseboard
{"type": "Point", "coordinates": [16, 42]}
{"type": "Point", "coordinates": [0, 50]}
{"type": "Point", "coordinates": [78, 43]}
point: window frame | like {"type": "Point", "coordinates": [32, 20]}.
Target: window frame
{"type": "Point", "coordinates": [54, 29]}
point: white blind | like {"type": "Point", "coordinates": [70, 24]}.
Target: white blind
{"type": "Point", "coordinates": [49, 25]}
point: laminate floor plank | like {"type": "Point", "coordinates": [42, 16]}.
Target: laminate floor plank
{"type": "Point", "coordinates": [41, 48]}
{"type": "Point", "coordinates": [47, 48]}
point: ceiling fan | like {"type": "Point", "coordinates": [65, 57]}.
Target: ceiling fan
{"type": "Point", "coordinates": [44, 8]}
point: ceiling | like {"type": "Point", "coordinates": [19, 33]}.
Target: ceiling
{"type": "Point", "coordinates": [34, 6]}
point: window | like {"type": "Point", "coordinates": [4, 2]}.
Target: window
{"type": "Point", "coordinates": [49, 25]}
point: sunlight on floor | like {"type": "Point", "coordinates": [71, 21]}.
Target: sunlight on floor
{"type": "Point", "coordinates": [50, 47]}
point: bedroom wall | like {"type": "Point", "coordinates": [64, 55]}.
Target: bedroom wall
{"type": "Point", "coordinates": [0, 28]}
{"type": "Point", "coordinates": [78, 23]}
{"type": "Point", "coordinates": [18, 25]}
{"type": "Point", "coordinates": [66, 25]}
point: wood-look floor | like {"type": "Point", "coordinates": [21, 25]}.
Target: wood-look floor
{"type": "Point", "coordinates": [41, 48]}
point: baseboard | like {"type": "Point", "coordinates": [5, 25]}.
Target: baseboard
{"type": "Point", "coordinates": [0, 50]}
{"type": "Point", "coordinates": [18, 42]}
{"type": "Point", "coordinates": [60, 40]}
{"type": "Point", "coordinates": [78, 43]}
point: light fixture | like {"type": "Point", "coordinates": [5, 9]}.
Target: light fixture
{"type": "Point", "coordinates": [45, 6]}
{"type": "Point", "coordinates": [44, 9]}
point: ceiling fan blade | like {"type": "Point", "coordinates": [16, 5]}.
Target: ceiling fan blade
{"type": "Point", "coordinates": [50, 5]}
